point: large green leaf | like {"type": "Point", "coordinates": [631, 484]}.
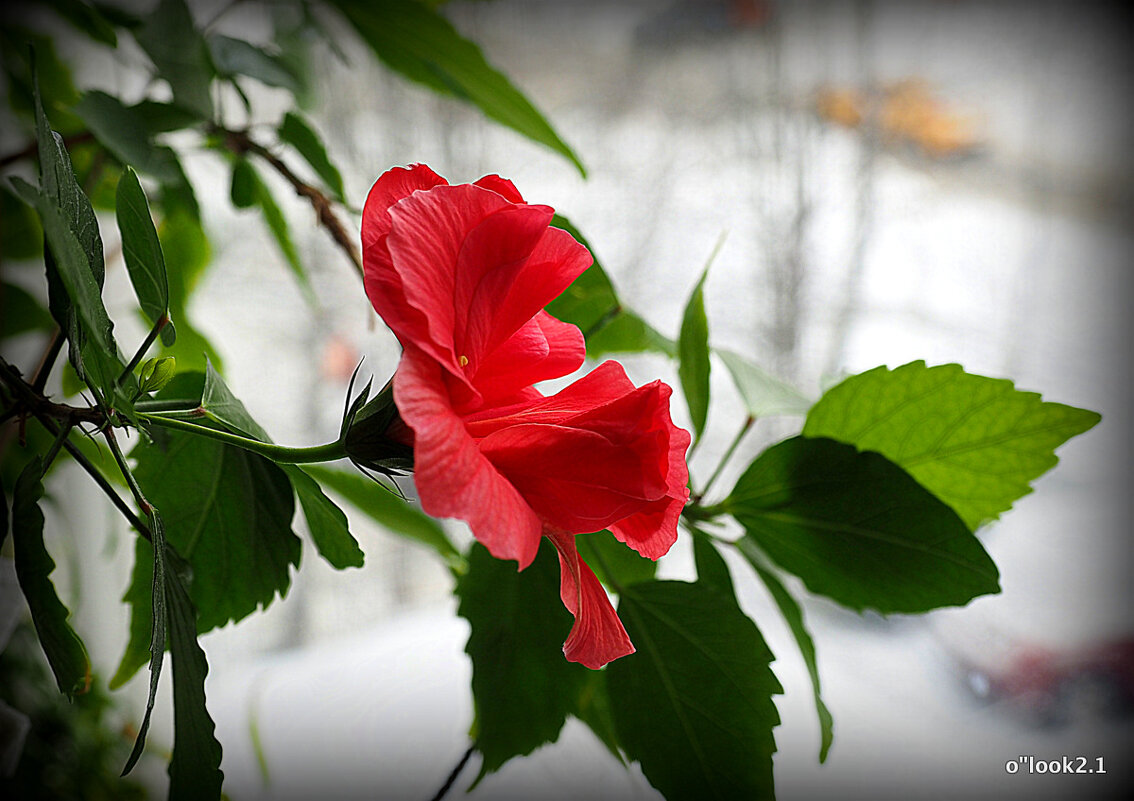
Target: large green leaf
{"type": "Point", "coordinates": [694, 705]}
{"type": "Point", "coordinates": [21, 236]}
{"type": "Point", "coordinates": [65, 651]}
{"type": "Point", "coordinates": [793, 616]}
{"type": "Point", "coordinates": [976, 443]}
{"type": "Point", "coordinates": [763, 394]}
{"type": "Point", "coordinates": [387, 509]}
{"type": "Point", "coordinates": [693, 356]}
{"type": "Point", "coordinates": [20, 312]}
{"type": "Point", "coordinates": [123, 131]}
{"type": "Point", "coordinates": [298, 133]}
{"type": "Point", "coordinates": [234, 57]}
{"type": "Point", "coordinates": [228, 512]}
{"type": "Point", "coordinates": [592, 304]}
{"type": "Point", "coordinates": [523, 688]}
{"type": "Point", "coordinates": [194, 770]}
{"type": "Point", "coordinates": [327, 523]}
{"type": "Point", "coordinates": [415, 40]}
{"type": "Point", "coordinates": [858, 529]}
{"type": "Point", "coordinates": [141, 250]}
{"type": "Point", "coordinates": [179, 52]}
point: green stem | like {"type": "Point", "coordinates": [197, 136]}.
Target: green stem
{"type": "Point", "coordinates": [727, 455]}
{"type": "Point", "coordinates": [164, 406]}
{"type": "Point", "coordinates": [161, 323]}
{"type": "Point", "coordinates": [277, 453]}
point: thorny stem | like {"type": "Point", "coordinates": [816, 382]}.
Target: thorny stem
{"type": "Point", "coordinates": [240, 142]}
{"type": "Point", "coordinates": [441, 793]}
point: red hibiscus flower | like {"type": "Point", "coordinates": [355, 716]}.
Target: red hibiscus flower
{"type": "Point", "coordinates": [461, 275]}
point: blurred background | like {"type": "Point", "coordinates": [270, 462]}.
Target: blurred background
{"type": "Point", "coordinates": [947, 181]}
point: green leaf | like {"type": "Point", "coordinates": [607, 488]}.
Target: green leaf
{"type": "Point", "coordinates": [615, 563]}
{"type": "Point", "coordinates": [86, 19]}
{"type": "Point", "coordinates": [138, 598]}
{"type": "Point", "coordinates": [976, 443]}
{"type": "Point", "coordinates": [592, 304]}
{"type": "Point", "coordinates": [179, 52]}
{"type": "Point", "coordinates": [156, 373]}
{"type": "Point", "coordinates": [194, 771]}
{"type": "Point", "coordinates": [522, 686]}
{"type": "Point", "coordinates": [277, 224]}
{"type": "Point", "coordinates": [694, 705]}
{"type": "Point", "coordinates": [220, 405]}
{"type": "Point", "coordinates": [20, 312]}
{"type": "Point", "coordinates": [141, 249]}
{"type": "Point", "coordinates": [593, 709]}
{"type": "Point", "coordinates": [245, 184]}
{"type": "Point", "coordinates": [763, 395]}
{"type": "Point", "coordinates": [712, 571]}
{"type": "Point", "coordinates": [53, 76]}
{"type": "Point", "coordinates": [123, 131]}
{"type": "Point", "coordinates": [326, 521]}
{"type": "Point", "coordinates": [155, 117]}
{"type": "Point", "coordinates": [298, 133]}
{"type": "Point", "coordinates": [858, 529]}
{"type": "Point", "coordinates": [387, 509]}
{"type": "Point", "coordinates": [234, 57]}
{"type": "Point", "coordinates": [422, 45]}
{"type": "Point", "coordinates": [159, 619]}
{"type": "Point", "coordinates": [65, 651]}
{"type": "Point", "coordinates": [21, 236]}
{"type": "Point", "coordinates": [228, 512]}
{"type": "Point", "coordinates": [693, 356]}
{"type": "Point", "coordinates": [793, 616]}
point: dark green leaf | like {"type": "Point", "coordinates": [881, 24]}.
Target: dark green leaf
{"type": "Point", "coordinates": [21, 236]}
{"type": "Point", "coordinates": [65, 651]}
{"type": "Point", "coordinates": [976, 443]}
{"type": "Point", "coordinates": [228, 512]}
{"type": "Point", "coordinates": [593, 709]}
{"type": "Point", "coordinates": [326, 521]}
{"type": "Point", "coordinates": [694, 705]}
{"type": "Point", "coordinates": [142, 251]}
{"type": "Point", "coordinates": [245, 184]}
{"type": "Point", "coordinates": [155, 117]}
{"type": "Point", "coordinates": [298, 133]}
{"type": "Point", "coordinates": [234, 57]}
{"type": "Point", "coordinates": [522, 686]}
{"type": "Point", "coordinates": [54, 76]}
{"type": "Point", "coordinates": [159, 619]}
{"type": "Point", "coordinates": [763, 395]}
{"type": "Point", "coordinates": [858, 529]}
{"type": "Point", "coordinates": [387, 509]}
{"type": "Point", "coordinates": [138, 598]}
{"type": "Point", "coordinates": [20, 312]}
{"type": "Point", "coordinates": [194, 771]}
{"type": "Point", "coordinates": [422, 45]}
{"type": "Point", "coordinates": [86, 19]}
{"type": "Point", "coordinates": [693, 356]}
{"type": "Point", "coordinates": [615, 563]}
{"type": "Point", "coordinates": [712, 571]}
{"type": "Point", "coordinates": [123, 131]}
{"type": "Point", "coordinates": [793, 616]}
{"type": "Point", "coordinates": [179, 52]}
{"type": "Point", "coordinates": [223, 407]}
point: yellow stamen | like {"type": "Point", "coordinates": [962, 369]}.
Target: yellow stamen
{"type": "Point", "coordinates": [463, 361]}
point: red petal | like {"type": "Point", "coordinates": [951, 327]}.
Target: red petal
{"type": "Point", "coordinates": [543, 348]}
{"type": "Point", "coordinates": [501, 186]}
{"type": "Point", "coordinates": [453, 478]}
{"type": "Point", "coordinates": [598, 636]}
{"type": "Point", "coordinates": [428, 231]}
{"type": "Point", "coordinates": [392, 186]}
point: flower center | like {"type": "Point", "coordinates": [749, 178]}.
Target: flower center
{"type": "Point", "coordinates": [463, 361]}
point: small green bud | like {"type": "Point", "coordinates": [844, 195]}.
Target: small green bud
{"type": "Point", "coordinates": [156, 373]}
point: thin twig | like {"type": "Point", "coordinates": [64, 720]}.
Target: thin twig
{"type": "Point", "coordinates": [240, 142]}
{"type": "Point", "coordinates": [454, 774]}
